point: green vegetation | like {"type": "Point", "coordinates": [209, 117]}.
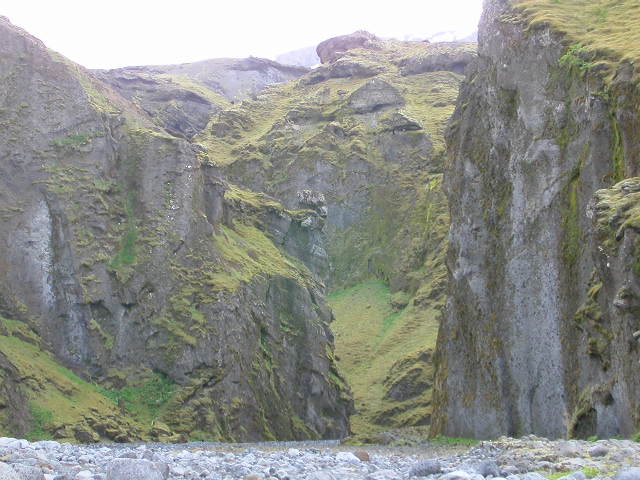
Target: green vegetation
{"type": "Point", "coordinates": [247, 252]}
{"type": "Point", "coordinates": [617, 209]}
{"type": "Point", "coordinates": [61, 403]}
{"type": "Point", "coordinates": [557, 475]}
{"type": "Point", "coordinates": [144, 401]}
{"type": "Point", "coordinates": [371, 339]}
{"type": "Point", "coordinates": [41, 419]}
{"type": "Point", "coordinates": [454, 440]}
{"type": "Point", "coordinates": [590, 472]}
{"type": "Point", "coordinates": [600, 33]}
{"type": "Point", "coordinates": [125, 257]}
{"type": "Point", "coordinates": [76, 139]}
{"type": "Point", "coordinates": [572, 241]}
{"type": "Point", "coordinates": [56, 395]}
{"type": "Point", "coordinates": [574, 57]}
{"type": "Point", "coordinates": [188, 83]}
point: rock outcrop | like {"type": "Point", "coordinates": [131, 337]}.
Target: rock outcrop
{"type": "Point", "coordinates": [125, 255]}
{"type": "Point", "coordinates": [538, 334]}
{"type": "Point", "coordinates": [332, 49]}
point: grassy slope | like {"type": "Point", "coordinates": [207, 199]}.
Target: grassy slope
{"type": "Point", "coordinates": [371, 337]}
{"type": "Point", "coordinates": [58, 397]}
{"type": "Point", "coordinates": [608, 29]}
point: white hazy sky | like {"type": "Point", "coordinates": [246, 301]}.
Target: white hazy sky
{"type": "Point", "coordinates": [115, 33]}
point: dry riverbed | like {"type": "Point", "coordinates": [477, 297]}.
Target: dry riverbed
{"type": "Point", "coordinates": [529, 458]}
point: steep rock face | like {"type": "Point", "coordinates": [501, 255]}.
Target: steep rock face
{"type": "Point", "coordinates": [121, 250]}
{"type": "Point", "coordinates": [532, 341]}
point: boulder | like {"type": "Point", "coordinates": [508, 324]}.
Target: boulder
{"type": "Point", "coordinates": [375, 95]}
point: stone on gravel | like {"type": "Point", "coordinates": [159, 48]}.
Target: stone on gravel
{"type": "Point", "coordinates": [568, 449]}
{"type": "Point", "coordinates": [84, 475]}
{"type": "Point", "coordinates": [362, 455]}
{"type": "Point", "coordinates": [253, 476]}
{"type": "Point", "coordinates": [347, 457]}
{"type": "Point", "coordinates": [133, 469]}
{"type": "Point", "coordinates": [488, 468]}
{"type": "Point", "coordinates": [628, 474]}
{"type": "Point", "coordinates": [598, 451]}
{"type": "Point", "coordinates": [508, 470]}
{"type": "Point", "coordinates": [8, 473]}
{"type": "Point", "coordinates": [577, 475]}
{"type": "Point", "coordinates": [425, 468]}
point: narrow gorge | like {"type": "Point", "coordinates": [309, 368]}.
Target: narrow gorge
{"type": "Point", "coordinates": [439, 238]}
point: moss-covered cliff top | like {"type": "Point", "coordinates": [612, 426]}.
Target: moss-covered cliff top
{"type": "Point", "coordinates": [604, 32]}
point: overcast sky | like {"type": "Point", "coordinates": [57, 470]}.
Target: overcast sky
{"type": "Point", "coordinates": [115, 33]}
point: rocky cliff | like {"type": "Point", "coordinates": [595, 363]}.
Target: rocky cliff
{"type": "Point", "coordinates": [539, 335]}
{"type": "Point", "coordinates": [181, 301]}
{"type": "Point", "coordinates": [360, 140]}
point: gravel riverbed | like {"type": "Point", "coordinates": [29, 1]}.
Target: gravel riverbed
{"type": "Point", "coordinates": [528, 458]}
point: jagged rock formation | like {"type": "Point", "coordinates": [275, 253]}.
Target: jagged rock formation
{"type": "Point", "coordinates": [126, 256]}
{"type": "Point", "coordinates": [367, 140]}
{"type": "Point", "coordinates": [539, 331]}
{"type": "Point", "coordinates": [182, 98]}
